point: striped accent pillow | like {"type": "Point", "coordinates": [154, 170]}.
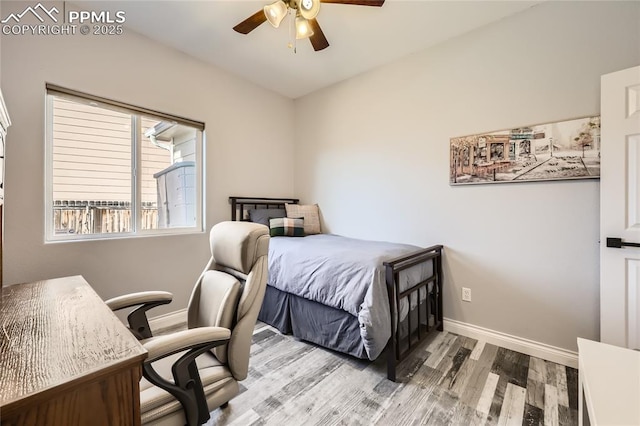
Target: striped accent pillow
{"type": "Point", "coordinates": [286, 227]}
{"type": "Point", "coordinates": [310, 213]}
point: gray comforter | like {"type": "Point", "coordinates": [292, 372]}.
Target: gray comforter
{"type": "Point", "coordinates": [343, 273]}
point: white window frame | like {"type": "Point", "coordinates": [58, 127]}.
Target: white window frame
{"type": "Point", "coordinates": [136, 161]}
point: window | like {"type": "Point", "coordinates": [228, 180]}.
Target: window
{"type": "Point", "coordinates": [115, 170]}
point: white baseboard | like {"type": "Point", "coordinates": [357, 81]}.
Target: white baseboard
{"type": "Point", "coordinates": [515, 343]}
{"type": "Point", "coordinates": [168, 320]}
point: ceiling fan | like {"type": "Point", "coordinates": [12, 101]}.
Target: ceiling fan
{"type": "Point", "coordinates": [305, 11]}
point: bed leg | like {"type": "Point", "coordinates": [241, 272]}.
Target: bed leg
{"type": "Point", "coordinates": [391, 345]}
{"type": "Point", "coordinates": [440, 278]}
{"type": "Point", "coordinates": [391, 360]}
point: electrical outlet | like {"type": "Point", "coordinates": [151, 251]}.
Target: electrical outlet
{"type": "Point", "coordinates": [466, 294]}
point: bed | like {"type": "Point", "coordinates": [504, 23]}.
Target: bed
{"type": "Point", "coordinates": [355, 296]}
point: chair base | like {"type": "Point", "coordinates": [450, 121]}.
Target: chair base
{"type": "Point", "coordinates": [218, 398]}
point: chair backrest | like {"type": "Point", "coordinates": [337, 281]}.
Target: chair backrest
{"type": "Point", "coordinates": [230, 290]}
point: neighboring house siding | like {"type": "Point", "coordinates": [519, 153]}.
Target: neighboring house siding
{"type": "Point", "coordinates": [185, 148]}
{"type": "Point", "coordinates": [154, 159]}
{"type": "Point", "coordinates": [92, 154]}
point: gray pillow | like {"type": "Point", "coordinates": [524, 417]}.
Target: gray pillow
{"type": "Point", "coordinates": [263, 215]}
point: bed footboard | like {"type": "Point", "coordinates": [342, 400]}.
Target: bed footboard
{"type": "Point", "coordinates": [400, 346]}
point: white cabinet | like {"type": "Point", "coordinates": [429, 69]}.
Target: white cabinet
{"type": "Point", "coordinates": [4, 125]}
{"type": "Point", "coordinates": [609, 385]}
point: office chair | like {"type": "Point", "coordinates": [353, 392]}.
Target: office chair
{"type": "Point", "coordinates": [192, 372]}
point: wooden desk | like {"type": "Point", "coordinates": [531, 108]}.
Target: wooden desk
{"type": "Point", "coordinates": [609, 385]}
{"type": "Point", "coordinates": [65, 358]}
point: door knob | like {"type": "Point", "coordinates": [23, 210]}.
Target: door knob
{"type": "Point", "coordinates": [618, 243]}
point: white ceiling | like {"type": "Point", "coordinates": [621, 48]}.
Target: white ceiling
{"type": "Point", "coordinates": [361, 38]}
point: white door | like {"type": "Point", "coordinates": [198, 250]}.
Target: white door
{"type": "Point", "coordinates": [620, 208]}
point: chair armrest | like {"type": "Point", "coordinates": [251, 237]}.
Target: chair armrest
{"type": "Point", "coordinates": [141, 298]}
{"type": "Point", "coordinates": [138, 322]}
{"type": "Point", "coordinates": [186, 386]}
{"type": "Point", "coordinates": [162, 346]}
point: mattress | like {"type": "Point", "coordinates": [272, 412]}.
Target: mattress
{"type": "Point", "coordinates": [344, 274]}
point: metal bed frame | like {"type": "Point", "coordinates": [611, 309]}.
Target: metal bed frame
{"type": "Point", "coordinates": [418, 324]}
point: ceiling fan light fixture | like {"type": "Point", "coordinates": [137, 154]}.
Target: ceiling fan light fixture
{"type": "Point", "coordinates": [303, 29]}
{"type": "Point", "coordinates": [308, 8]}
{"type": "Point", "coordinates": [275, 13]}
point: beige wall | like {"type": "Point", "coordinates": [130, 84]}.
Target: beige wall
{"type": "Point", "coordinates": [373, 151]}
{"type": "Point", "coordinates": [247, 149]}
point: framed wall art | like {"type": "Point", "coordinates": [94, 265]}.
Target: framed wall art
{"type": "Point", "coordinates": [561, 150]}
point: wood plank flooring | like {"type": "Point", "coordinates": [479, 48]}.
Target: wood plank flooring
{"type": "Point", "coordinates": [449, 380]}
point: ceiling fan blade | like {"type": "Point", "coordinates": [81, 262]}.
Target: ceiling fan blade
{"type": "Point", "coordinates": [251, 23]}
{"type": "Point", "coordinates": [377, 3]}
{"type": "Point", "coordinates": [318, 40]}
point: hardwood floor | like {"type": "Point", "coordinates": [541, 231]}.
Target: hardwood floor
{"type": "Point", "coordinates": [450, 380]}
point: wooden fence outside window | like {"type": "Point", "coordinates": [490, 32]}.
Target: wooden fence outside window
{"type": "Point", "coordinates": [100, 217]}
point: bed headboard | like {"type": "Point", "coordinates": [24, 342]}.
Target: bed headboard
{"type": "Point", "coordinates": [242, 204]}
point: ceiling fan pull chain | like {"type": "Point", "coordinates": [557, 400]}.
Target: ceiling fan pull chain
{"type": "Point", "coordinates": [292, 30]}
